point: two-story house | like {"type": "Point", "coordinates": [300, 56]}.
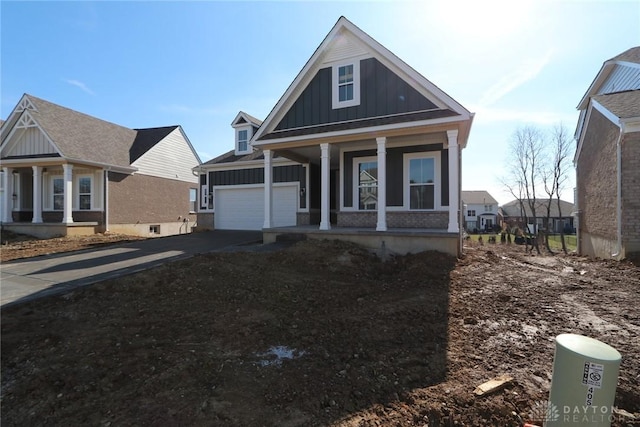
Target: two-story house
{"type": "Point", "coordinates": [480, 210]}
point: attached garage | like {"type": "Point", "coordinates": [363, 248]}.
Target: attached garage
{"type": "Point", "coordinates": [242, 207]}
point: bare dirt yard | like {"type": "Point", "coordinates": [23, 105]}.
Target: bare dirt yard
{"type": "Point", "coordinates": [317, 334]}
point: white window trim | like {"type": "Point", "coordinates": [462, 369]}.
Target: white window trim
{"type": "Point", "coordinates": [356, 84]}
{"type": "Point", "coordinates": [194, 201]}
{"type": "Point", "coordinates": [356, 180]}
{"type": "Point", "coordinates": [53, 193]}
{"type": "Point", "coordinates": [437, 205]}
{"type": "Point", "coordinates": [248, 150]}
{"type": "Point", "coordinates": [92, 193]}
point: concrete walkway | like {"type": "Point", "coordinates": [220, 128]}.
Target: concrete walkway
{"type": "Point", "coordinates": [31, 278]}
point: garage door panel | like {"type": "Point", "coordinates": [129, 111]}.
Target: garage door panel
{"type": "Point", "coordinates": [243, 208]}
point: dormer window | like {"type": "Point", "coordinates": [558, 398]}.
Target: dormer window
{"type": "Point", "coordinates": [346, 84]}
{"type": "Point", "coordinates": [243, 140]}
{"type": "Point", "coordinates": [245, 127]}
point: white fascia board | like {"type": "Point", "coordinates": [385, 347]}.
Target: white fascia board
{"type": "Point", "coordinates": [605, 112]}
{"type": "Point", "coordinates": [415, 79]}
{"type": "Point", "coordinates": [602, 75]}
{"type": "Point", "coordinates": [251, 164]}
{"type": "Point", "coordinates": [193, 150]}
{"type": "Point", "coordinates": [106, 166]}
{"type": "Point", "coordinates": [630, 124]}
{"type": "Point", "coordinates": [367, 130]}
{"type": "Point", "coordinates": [26, 113]}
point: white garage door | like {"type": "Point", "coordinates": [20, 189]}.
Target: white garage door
{"type": "Point", "coordinates": [243, 208]}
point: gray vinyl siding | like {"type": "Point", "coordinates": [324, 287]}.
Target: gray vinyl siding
{"type": "Point", "coordinates": [290, 173]}
{"type": "Point", "coordinates": [382, 93]}
{"type": "Point", "coordinates": [395, 173]}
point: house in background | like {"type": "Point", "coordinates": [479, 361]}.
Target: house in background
{"type": "Point", "coordinates": [481, 211]}
{"type": "Point", "coordinates": [360, 147]}
{"type": "Point", "coordinates": [67, 173]}
{"type": "Point", "coordinates": [607, 160]}
{"type": "Point", "coordinates": [559, 220]}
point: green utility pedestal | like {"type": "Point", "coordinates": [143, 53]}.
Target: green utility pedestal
{"type": "Point", "coordinates": [583, 386]}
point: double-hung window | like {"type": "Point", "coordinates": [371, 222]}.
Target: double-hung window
{"type": "Point", "coordinates": [243, 138]}
{"type": "Point", "coordinates": [422, 183]}
{"type": "Point", "coordinates": [471, 212]}
{"type": "Point", "coordinates": [346, 85]}
{"type": "Point", "coordinates": [58, 193]}
{"type": "Point", "coordinates": [367, 185]}
{"type": "Point", "coordinates": [84, 193]}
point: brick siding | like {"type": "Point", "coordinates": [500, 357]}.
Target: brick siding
{"type": "Point", "coordinates": [596, 178]}
{"type": "Point", "coordinates": [147, 199]}
{"type": "Point", "coordinates": [426, 220]}
{"type": "Point", "coordinates": [631, 192]}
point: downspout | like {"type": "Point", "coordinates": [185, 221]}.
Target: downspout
{"type": "Point", "coordinates": [619, 194]}
{"type": "Point", "coordinates": [106, 200]}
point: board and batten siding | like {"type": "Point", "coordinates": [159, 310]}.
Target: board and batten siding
{"type": "Point", "coordinates": [621, 78]}
{"type": "Point", "coordinates": [171, 158]}
{"type": "Point", "coordinates": [382, 93]}
{"type": "Point", "coordinates": [30, 143]}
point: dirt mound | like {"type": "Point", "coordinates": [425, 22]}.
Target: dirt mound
{"type": "Point", "coordinates": [322, 333]}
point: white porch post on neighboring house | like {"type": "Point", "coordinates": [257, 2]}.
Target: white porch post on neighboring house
{"type": "Point", "coordinates": [454, 180]}
{"type": "Point", "coordinates": [67, 216]}
{"type": "Point", "coordinates": [382, 184]}
{"type": "Point", "coordinates": [37, 194]}
{"type": "Point", "coordinates": [7, 214]}
{"type": "Point", "coordinates": [268, 189]}
{"type": "Point", "coordinates": [325, 188]}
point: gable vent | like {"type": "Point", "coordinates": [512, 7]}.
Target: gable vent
{"type": "Point", "coordinates": [343, 46]}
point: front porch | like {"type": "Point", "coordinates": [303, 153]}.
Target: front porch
{"type": "Point", "coordinates": [399, 241]}
{"type": "Point", "coordinates": [48, 230]}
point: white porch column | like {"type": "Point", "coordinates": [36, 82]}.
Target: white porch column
{"type": "Point", "coordinates": [382, 184]}
{"type": "Point", "coordinates": [325, 188]}
{"type": "Point", "coordinates": [268, 189]}
{"type": "Point", "coordinates": [7, 203]}
{"type": "Point", "coordinates": [37, 194]}
{"type": "Point", "coordinates": [454, 181]}
{"type": "Point", "coordinates": [67, 216]}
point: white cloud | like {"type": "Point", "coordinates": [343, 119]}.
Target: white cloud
{"type": "Point", "coordinates": [80, 85]}
{"type": "Point", "coordinates": [526, 71]}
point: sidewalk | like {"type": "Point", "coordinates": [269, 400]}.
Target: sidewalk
{"type": "Point", "coordinates": [31, 278]}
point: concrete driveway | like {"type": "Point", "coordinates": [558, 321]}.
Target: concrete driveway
{"type": "Point", "coordinates": [24, 280]}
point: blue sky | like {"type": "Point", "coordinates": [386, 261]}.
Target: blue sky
{"type": "Point", "coordinates": [197, 63]}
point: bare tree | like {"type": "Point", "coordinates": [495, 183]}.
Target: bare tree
{"type": "Point", "coordinates": [526, 151]}
{"type": "Point", "coordinates": [555, 174]}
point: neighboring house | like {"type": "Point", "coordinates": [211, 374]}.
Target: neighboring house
{"type": "Point", "coordinates": [481, 211]}
{"type": "Point", "coordinates": [559, 221]}
{"type": "Point", "coordinates": [360, 147]}
{"type": "Point", "coordinates": [607, 160]}
{"type": "Point", "coordinates": [66, 173]}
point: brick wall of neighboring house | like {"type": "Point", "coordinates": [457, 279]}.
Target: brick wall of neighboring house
{"type": "Point", "coordinates": [596, 181]}
{"type": "Point", "coordinates": [426, 220]}
{"type": "Point", "coordinates": [631, 192]}
{"type": "Point", "coordinates": [146, 199]}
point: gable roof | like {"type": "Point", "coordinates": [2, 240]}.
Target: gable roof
{"type": "Point", "coordinates": [448, 108]}
{"type": "Point", "coordinates": [480, 197]}
{"type": "Point", "coordinates": [513, 208]}
{"type": "Point", "coordinates": [242, 118]}
{"type": "Point", "coordinates": [624, 105]}
{"type": "Point", "coordinates": [629, 58]}
{"type": "Point", "coordinates": [82, 138]}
